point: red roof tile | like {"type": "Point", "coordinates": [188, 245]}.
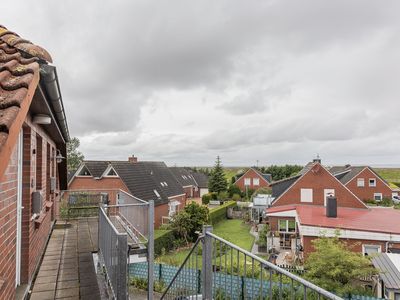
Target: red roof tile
{"type": "Point", "coordinates": [18, 67]}
{"type": "Point", "coordinates": [376, 219]}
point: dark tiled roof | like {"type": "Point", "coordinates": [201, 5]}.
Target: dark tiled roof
{"type": "Point", "coordinates": [201, 179]}
{"type": "Point", "coordinates": [306, 168]}
{"type": "Point", "coordinates": [142, 178]}
{"type": "Point", "coordinates": [19, 72]}
{"type": "Point", "coordinates": [390, 274]}
{"type": "Point", "coordinates": [96, 167]}
{"type": "Point", "coordinates": [280, 186]}
{"type": "Point", "coordinates": [345, 173]}
{"type": "Point", "coordinates": [183, 176]}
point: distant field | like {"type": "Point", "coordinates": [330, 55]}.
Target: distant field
{"type": "Point", "coordinates": [230, 172]}
{"type": "Point", "coordinates": [389, 174]}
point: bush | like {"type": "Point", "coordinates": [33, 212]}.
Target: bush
{"type": "Point", "coordinates": [371, 202]}
{"type": "Point", "coordinates": [386, 202]}
{"type": "Point", "coordinates": [164, 239]}
{"type": "Point", "coordinates": [236, 197]}
{"type": "Point", "coordinates": [223, 196]}
{"type": "Point", "coordinates": [189, 220]}
{"type": "Point", "coordinates": [205, 199]}
{"type": "Point", "coordinates": [219, 213]}
{"type": "Point", "coordinates": [262, 236]}
{"type": "Point", "coordinates": [234, 189]}
{"type": "Point", "coordinates": [214, 196]}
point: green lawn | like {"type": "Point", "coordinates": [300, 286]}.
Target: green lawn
{"type": "Point", "coordinates": [233, 231]}
{"type": "Point", "coordinates": [230, 172]}
{"type": "Point", "coordinates": [389, 174]}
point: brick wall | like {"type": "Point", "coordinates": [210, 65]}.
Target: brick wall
{"type": "Point", "coordinates": [163, 209]}
{"type": "Point", "coordinates": [251, 174]}
{"type": "Point", "coordinates": [353, 244]}
{"type": "Point", "coordinates": [319, 179]}
{"type": "Point", "coordinates": [367, 192]}
{"type": "Point", "coordinates": [105, 184]}
{"type": "Point", "coordinates": [8, 221]}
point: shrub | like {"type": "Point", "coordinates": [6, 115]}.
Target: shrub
{"type": "Point", "coordinates": [370, 202]}
{"type": "Point", "coordinates": [234, 189]}
{"type": "Point", "coordinates": [223, 196]}
{"type": "Point", "coordinates": [262, 236]}
{"type": "Point", "coordinates": [164, 239]}
{"type": "Point", "coordinates": [214, 196]}
{"type": "Point", "coordinates": [219, 213]}
{"type": "Point", "coordinates": [236, 197]}
{"type": "Point", "coordinates": [386, 202]}
{"type": "Point", "coordinates": [189, 220]}
{"type": "Point", "coordinates": [205, 199]}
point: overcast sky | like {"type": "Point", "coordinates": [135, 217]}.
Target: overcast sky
{"type": "Point", "coordinates": [185, 81]}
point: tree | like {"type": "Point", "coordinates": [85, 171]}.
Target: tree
{"type": "Point", "coordinates": [190, 220]}
{"type": "Point", "coordinates": [74, 156]}
{"type": "Point", "coordinates": [217, 181]}
{"type": "Point", "coordinates": [334, 267]}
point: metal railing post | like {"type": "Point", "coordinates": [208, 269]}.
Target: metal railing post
{"type": "Point", "coordinates": [150, 253]}
{"type": "Point", "coordinates": [207, 271]}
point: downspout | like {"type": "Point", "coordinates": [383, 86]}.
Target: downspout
{"type": "Point", "coordinates": [49, 79]}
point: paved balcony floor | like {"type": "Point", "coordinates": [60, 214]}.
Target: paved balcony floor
{"type": "Point", "coordinates": [67, 270]}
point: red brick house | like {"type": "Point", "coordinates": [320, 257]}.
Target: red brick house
{"type": "Point", "coordinates": [144, 180]}
{"type": "Point", "coordinates": [364, 182]}
{"type": "Point", "coordinates": [298, 214]}
{"type": "Point", "coordinates": [253, 179]}
{"type": "Point", "coordinates": [33, 135]}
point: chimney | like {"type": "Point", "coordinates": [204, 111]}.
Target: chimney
{"type": "Point", "coordinates": [317, 159]}
{"type": "Point", "coordinates": [132, 159]}
{"type": "Point", "coordinates": [331, 207]}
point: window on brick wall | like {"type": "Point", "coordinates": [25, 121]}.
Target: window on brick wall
{"type": "Point", "coordinates": [247, 181]}
{"type": "Point", "coordinates": [256, 181]}
{"type": "Point", "coordinates": [306, 195]}
{"type": "Point", "coordinates": [360, 182]}
{"type": "Point", "coordinates": [372, 182]}
{"type": "Point", "coordinates": [39, 162]}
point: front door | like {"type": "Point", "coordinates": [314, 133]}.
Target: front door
{"type": "Point", "coordinates": [19, 211]}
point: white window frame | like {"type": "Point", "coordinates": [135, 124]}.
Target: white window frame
{"type": "Point", "coordinates": [371, 245]}
{"type": "Point", "coordinates": [247, 181]}
{"type": "Point", "coordinates": [109, 170]}
{"type": "Point", "coordinates": [306, 195]}
{"type": "Point", "coordinates": [395, 195]}
{"type": "Point", "coordinates": [379, 195]}
{"type": "Point", "coordinates": [157, 193]}
{"type": "Point", "coordinates": [287, 226]}
{"type": "Point", "coordinates": [374, 182]}
{"type": "Point", "coordinates": [328, 192]}
{"type": "Point", "coordinates": [360, 182]}
{"type": "Point", "coordinates": [256, 181]}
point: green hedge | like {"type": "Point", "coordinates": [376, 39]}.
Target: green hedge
{"type": "Point", "coordinates": [219, 213]}
{"type": "Point", "coordinates": [163, 239]}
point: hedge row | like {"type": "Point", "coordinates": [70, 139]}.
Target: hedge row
{"type": "Point", "coordinates": [163, 239]}
{"type": "Point", "coordinates": [219, 213]}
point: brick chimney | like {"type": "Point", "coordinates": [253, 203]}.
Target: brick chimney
{"type": "Point", "coordinates": [132, 159]}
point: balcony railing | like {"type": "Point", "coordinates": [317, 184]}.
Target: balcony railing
{"type": "Point", "coordinates": [218, 269]}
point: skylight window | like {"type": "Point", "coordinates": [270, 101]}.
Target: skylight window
{"type": "Point", "coordinates": [157, 194]}
{"type": "Point", "coordinates": [162, 183]}
{"type": "Point", "coordinates": [166, 184]}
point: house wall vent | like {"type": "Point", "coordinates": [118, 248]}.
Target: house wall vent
{"type": "Point", "coordinates": [37, 202]}
{"type": "Point", "coordinates": [331, 207]}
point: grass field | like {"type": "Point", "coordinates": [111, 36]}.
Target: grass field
{"type": "Point", "coordinates": [233, 231]}
{"type": "Point", "coordinates": [389, 174]}
{"type": "Point", "coordinates": [230, 172]}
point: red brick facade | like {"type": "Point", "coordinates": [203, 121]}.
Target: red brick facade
{"type": "Point", "coordinates": [318, 179]}
{"type": "Point", "coordinates": [112, 185]}
{"type": "Point", "coordinates": [355, 245]}
{"type": "Point", "coordinates": [252, 179]}
{"type": "Point", "coordinates": [367, 192]}
{"type": "Point", "coordinates": [8, 227]}
{"type": "Point", "coordinates": [38, 165]}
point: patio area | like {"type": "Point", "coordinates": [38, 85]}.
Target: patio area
{"type": "Point", "coordinates": [67, 270]}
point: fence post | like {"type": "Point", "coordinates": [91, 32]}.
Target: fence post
{"type": "Point", "coordinates": [150, 252]}
{"type": "Point", "coordinates": [207, 263]}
